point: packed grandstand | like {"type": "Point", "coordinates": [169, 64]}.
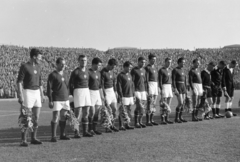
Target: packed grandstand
{"type": "Point", "coordinates": [13, 56]}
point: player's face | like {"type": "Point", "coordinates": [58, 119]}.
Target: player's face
{"type": "Point", "coordinates": [234, 66]}
{"type": "Point", "coordinates": [97, 66]}
{"type": "Point", "coordinates": [152, 61]}
{"type": "Point", "coordinates": [197, 64]}
{"type": "Point", "coordinates": [141, 63]}
{"type": "Point", "coordinates": [182, 63]}
{"type": "Point", "coordinates": [111, 67]}
{"type": "Point", "coordinates": [61, 65]}
{"type": "Point", "coordinates": [83, 61]}
{"type": "Point", "coordinates": [128, 69]}
{"type": "Point", "coordinates": [38, 59]}
{"type": "Point", "coordinates": [168, 63]}
{"type": "Point", "coordinates": [210, 68]}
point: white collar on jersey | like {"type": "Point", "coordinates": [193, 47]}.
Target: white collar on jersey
{"type": "Point", "coordinates": [207, 71]}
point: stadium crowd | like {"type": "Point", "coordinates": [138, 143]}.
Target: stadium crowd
{"type": "Point", "coordinates": [11, 57]}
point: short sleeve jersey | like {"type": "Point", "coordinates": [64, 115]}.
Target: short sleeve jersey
{"type": "Point", "coordinates": [94, 79]}
{"type": "Point", "coordinates": [139, 79]}
{"type": "Point", "coordinates": [30, 76]}
{"type": "Point", "coordinates": [57, 87]}
{"type": "Point", "coordinates": [125, 85]}
{"type": "Point", "coordinates": [151, 73]}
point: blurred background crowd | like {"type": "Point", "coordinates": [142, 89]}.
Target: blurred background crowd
{"type": "Point", "coordinates": [11, 58]}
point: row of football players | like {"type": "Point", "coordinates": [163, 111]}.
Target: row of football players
{"type": "Point", "coordinates": [91, 89]}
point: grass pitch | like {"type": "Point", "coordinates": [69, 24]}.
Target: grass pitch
{"type": "Point", "coordinates": [212, 140]}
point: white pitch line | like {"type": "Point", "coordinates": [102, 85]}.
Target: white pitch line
{"type": "Point", "coordinates": [19, 111]}
{"type": "Point", "coordinates": [9, 114]}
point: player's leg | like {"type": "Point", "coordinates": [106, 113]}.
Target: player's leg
{"type": "Point", "coordinates": [169, 100]}
{"type": "Point", "coordinates": [90, 119]}
{"type": "Point", "coordinates": [153, 110]}
{"type": "Point", "coordinates": [208, 109]}
{"type": "Point", "coordinates": [148, 110]}
{"type": "Point", "coordinates": [218, 106]}
{"type": "Point", "coordinates": [137, 112]}
{"type": "Point", "coordinates": [179, 99]}
{"type": "Point", "coordinates": [35, 116]}
{"type": "Point", "coordinates": [55, 116]}
{"type": "Point", "coordinates": [128, 109]}
{"type": "Point", "coordinates": [95, 120]}
{"type": "Point", "coordinates": [182, 98]}
{"type": "Point", "coordinates": [163, 112]}
{"type": "Point", "coordinates": [77, 112]}
{"type": "Point", "coordinates": [62, 121]}
{"type": "Point", "coordinates": [113, 106]}
{"type": "Point", "coordinates": [194, 105]}
{"type": "Point", "coordinates": [85, 123]}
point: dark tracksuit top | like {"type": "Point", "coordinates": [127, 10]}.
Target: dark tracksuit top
{"type": "Point", "coordinates": [57, 87]}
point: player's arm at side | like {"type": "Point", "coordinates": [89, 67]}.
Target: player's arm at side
{"type": "Point", "coordinates": [119, 87]}
{"type": "Point", "coordinates": [190, 79]}
{"type": "Point", "coordinates": [102, 83]}
{"type": "Point", "coordinates": [160, 79]}
{"type": "Point", "coordinates": [147, 78]}
{"type": "Point", "coordinates": [21, 75]}
{"type": "Point", "coordinates": [41, 89]}
{"type": "Point", "coordinates": [49, 90]}
{"type": "Point", "coordinates": [71, 83]}
{"type": "Point", "coordinates": [174, 81]}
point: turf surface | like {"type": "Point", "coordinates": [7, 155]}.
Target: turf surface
{"type": "Point", "coordinates": [213, 140]}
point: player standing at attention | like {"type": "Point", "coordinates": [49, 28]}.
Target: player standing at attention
{"type": "Point", "coordinates": [195, 82]}
{"type": "Point", "coordinates": [216, 76]}
{"type": "Point", "coordinates": [108, 82]}
{"type": "Point", "coordinates": [96, 94]}
{"type": "Point", "coordinates": [152, 89]}
{"type": "Point", "coordinates": [179, 82]}
{"type": "Point", "coordinates": [165, 85]}
{"type": "Point", "coordinates": [207, 83]}
{"type": "Point", "coordinates": [30, 92]}
{"type": "Point", "coordinates": [78, 85]}
{"type": "Point", "coordinates": [228, 84]}
{"type": "Point", "coordinates": [125, 90]}
{"type": "Point", "coordinates": [139, 79]}
{"type": "Point", "coordinates": [58, 95]}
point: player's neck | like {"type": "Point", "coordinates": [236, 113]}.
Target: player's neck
{"type": "Point", "coordinates": [32, 62]}
{"type": "Point", "coordinates": [60, 72]}
{"type": "Point", "coordinates": [82, 68]}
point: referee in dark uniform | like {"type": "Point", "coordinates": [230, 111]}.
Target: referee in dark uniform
{"type": "Point", "coordinates": [228, 84]}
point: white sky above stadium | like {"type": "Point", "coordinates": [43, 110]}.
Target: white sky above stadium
{"type": "Point", "coordinates": [104, 24]}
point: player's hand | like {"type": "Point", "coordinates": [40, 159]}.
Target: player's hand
{"type": "Point", "coordinates": [176, 92]}
{"type": "Point", "coordinates": [227, 96]}
{"type": "Point", "coordinates": [43, 98]}
{"type": "Point", "coordinates": [20, 99]}
{"type": "Point", "coordinates": [51, 104]}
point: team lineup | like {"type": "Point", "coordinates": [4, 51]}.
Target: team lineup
{"type": "Point", "coordinates": [99, 90]}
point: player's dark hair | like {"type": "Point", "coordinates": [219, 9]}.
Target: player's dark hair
{"type": "Point", "coordinates": [234, 62]}
{"type": "Point", "coordinates": [151, 55]}
{"type": "Point", "coordinates": [112, 62]}
{"type": "Point", "coordinates": [168, 59]}
{"type": "Point", "coordinates": [81, 56]}
{"type": "Point", "coordinates": [127, 64]}
{"type": "Point", "coordinates": [96, 61]}
{"type": "Point", "coordinates": [180, 60]}
{"type": "Point", "coordinates": [195, 60]}
{"type": "Point", "coordinates": [222, 63]}
{"type": "Point", "coordinates": [59, 59]}
{"type": "Point", "coordinates": [35, 52]}
{"type": "Point", "coordinates": [141, 58]}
